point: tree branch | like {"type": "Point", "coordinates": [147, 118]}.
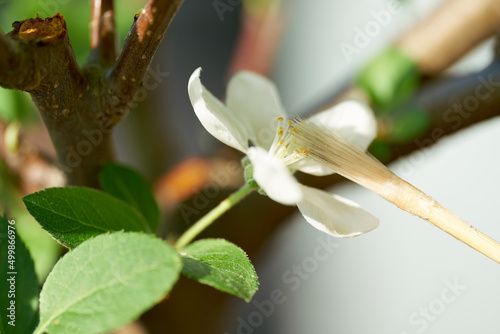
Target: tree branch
{"type": "Point", "coordinates": [80, 108]}
{"type": "Point", "coordinates": [140, 46]}
{"type": "Point", "coordinates": [102, 33]}
{"type": "Point", "coordinates": [76, 117]}
{"type": "Point", "coordinates": [455, 104]}
{"type": "Point", "coordinates": [453, 30]}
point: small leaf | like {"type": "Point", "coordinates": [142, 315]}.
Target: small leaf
{"type": "Point", "coordinates": [18, 283]}
{"type": "Point", "coordinates": [390, 78]}
{"type": "Point", "coordinates": [222, 265]}
{"type": "Point", "coordinates": [131, 187]}
{"type": "Point", "coordinates": [409, 125]}
{"type": "Point", "coordinates": [107, 282]}
{"type": "Point", "coordinates": [74, 214]}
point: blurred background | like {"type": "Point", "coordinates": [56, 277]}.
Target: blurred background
{"type": "Point", "coordinates": [431, 72]}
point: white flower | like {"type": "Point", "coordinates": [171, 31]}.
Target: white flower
{"type": "Point", "coordinates": [254, 122]}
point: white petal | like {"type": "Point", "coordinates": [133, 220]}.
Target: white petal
{"type": "Point", "coordinates": [312, 167]}
{"type": "Point", "coordinates": [351, 120]}
{"type": "Point", "coordinates": [274, 177]}
{"type": "Point", "coordinates": [334, 214]}
{"type": "Point", "coordinates": [255, 98]}
{"type": "Point", "coordinates": [215, 117]}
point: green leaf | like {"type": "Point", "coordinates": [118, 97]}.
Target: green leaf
{"type": "Point", "coordinates": [8, 106]}
{"type": "Point", "coordinates": [390, 78]}
{"type": "Point", "coordinates": [131, 187]}
{"type": "Point", "coordinates": [380, 150]}
{"type": "Point", "coordinates": [222, 265]}
{"type": "Point", "coordinates": [74, 214]}
{"type": "Point", "coordinates": [410, 125]}
{"type": "Point", "coordinates": [18, 283]}
{"type": "Point", "coordinates": [14, 106]}
{"type": "Point", "coordinates": [106, 282]}
{"type": "Point", "coordinates": [44, 250]}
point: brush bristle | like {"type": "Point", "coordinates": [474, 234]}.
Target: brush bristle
{"type": "Point", "coordinates": [343, 157]}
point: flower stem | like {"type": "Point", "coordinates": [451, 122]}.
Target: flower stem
{"type": "Point", "coordinates": [215, 213]}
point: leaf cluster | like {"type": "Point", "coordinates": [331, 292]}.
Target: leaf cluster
{"type": "Point", "coordinates": [116, 267]}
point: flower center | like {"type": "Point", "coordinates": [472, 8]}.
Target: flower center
{"type": "Point", "coordinates": [285, 146]}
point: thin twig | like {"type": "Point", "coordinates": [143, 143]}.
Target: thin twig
{"type": "Point", "coordinates": [102, 32]}
{"type": "Point", "coordinates": [140, 46]}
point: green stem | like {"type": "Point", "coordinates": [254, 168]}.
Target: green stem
{"type": "Point", "coordinates": [215, 213]}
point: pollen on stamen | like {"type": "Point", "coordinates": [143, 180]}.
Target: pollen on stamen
{"type": "Point", "coordinates": [290, 122]}
{"type": "Point", "coordinates": [280, 119]}
{"type": "Point", "coordinates": [281, 142]}
{"type": "Point", "coordinates": [280, 131]}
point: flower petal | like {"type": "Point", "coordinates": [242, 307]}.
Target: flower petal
{"type": "Point", "coordinates": [215, 117]}
{"type": "Point", "coordinates": [255, 99]}
{"type": "Point", "coordinates": [351, 120]}
{"type": "Point", "coordinates": [274, 177]}
{"type": "Point", "coordinates": [334, 214]}
{"type": "Point", "coordinates": [312, 167]}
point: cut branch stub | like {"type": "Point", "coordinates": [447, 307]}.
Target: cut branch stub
{"type": "Point", "coordinates": [71, 102]}
{"type": "Point", "coordinates": [44, 31]}
{"type": "Point", "coordinates": [80, 107]}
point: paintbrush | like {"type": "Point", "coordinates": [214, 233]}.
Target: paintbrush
{"type": "Point", "coordinates": [359, 166]}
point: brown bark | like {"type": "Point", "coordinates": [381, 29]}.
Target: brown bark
{"type": "Point", "coordinates": [80, 107]}
{"type": "Point", "coordinates": [144, 37]}
{"type": "Point", "coordinates": [45, 66]}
